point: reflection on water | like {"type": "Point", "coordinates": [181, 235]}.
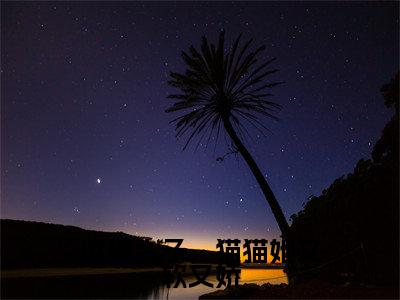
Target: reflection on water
{"type": "Point", "coordinates": [257, 276]}
{"type": "Point", "coordinates": [140, 285]}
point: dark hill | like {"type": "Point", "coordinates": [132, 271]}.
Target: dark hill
{"type": "Point", "coordinates": [40, 245]}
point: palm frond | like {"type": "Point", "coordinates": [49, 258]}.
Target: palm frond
{"type": "Point", "coordinates": [220, 84]}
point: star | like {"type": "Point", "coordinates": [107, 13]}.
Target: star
{"type": "Point", "coordinates": [98, 180]}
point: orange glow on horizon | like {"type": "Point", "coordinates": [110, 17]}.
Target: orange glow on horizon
{"type": "Point", "coordinates": [208, 246]}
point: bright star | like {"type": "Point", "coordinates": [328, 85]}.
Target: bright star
{"type": "Point", "coordinates": [98, 180]}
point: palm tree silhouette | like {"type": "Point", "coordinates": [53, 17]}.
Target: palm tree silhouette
{"type": "Point", "coordinates": [225, 87]}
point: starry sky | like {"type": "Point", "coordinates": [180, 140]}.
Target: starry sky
{"type": "Point", "coordinates": [86, 141]}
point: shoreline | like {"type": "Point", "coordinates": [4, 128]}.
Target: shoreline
{"type": "Point", "coordinates": [82, 271]}
{"type": "Point", "coordinates": [60, 272]}
{"type": "Point", "coordinates": [314, 289]}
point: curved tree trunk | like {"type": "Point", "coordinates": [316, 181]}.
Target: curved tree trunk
{"type": "Point", "coordinates": [269, 195]}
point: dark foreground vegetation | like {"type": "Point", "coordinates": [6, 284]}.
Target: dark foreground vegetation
{"type": "Point", "coordinates": [350, 233]}
{"type": "Point", "coordinates": [40, 245]}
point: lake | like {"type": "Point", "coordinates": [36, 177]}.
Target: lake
{"type": "Point", "coordinates": [257, 276]}
{"type": "Point", "coordinates": [116, 284]}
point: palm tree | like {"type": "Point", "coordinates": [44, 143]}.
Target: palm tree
{"type": "Point", "coordinates": [226, 87]}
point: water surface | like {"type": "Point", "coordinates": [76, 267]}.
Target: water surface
{"type": "Point", "coordinates": [118, 285]}
{"type": "Point", "coordinates": [257, 276]}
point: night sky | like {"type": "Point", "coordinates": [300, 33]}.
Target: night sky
{"type": "Point", "coordinates": [86, 140]}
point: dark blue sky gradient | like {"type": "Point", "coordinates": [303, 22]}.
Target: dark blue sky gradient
{"type": "Point", "coordinates": [83, 97]}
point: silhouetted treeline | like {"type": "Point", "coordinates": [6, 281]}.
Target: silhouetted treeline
{"type": "Point", "coordinates": [40, 245]}
{"type": "Point", "coordinates": [351, 231]}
